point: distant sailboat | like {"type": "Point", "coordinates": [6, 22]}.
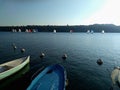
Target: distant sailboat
{"type": "Point", "coordinates": [13, 30]}
{"type": "Point", "coordinates": [71, 31]}
{"type": "Point", "coordinates": [26, 30]}
{"type": "Point", "coordinates": [34, 30]}
{"type": "Point", "coordinates": [54, 31]}
{"type": "Point", "coordinates": [19, 30]}
{"type": "Point", "coordinates": [103, 31]}
{"type": "Point", "coordinates": [88, 31]}
{"type": "Point", "coordinates": [92, 31]}
{"type": "Point", "coordinates": [30, 30]}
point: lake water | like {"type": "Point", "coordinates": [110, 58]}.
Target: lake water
{"type": "Point", "coordinates": [83, 51]}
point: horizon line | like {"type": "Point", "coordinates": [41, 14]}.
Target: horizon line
{"type": "Point", "coordinates": [55, 25]}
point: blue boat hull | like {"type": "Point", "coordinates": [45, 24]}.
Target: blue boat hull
{"type": "Point", "coordinates": [51, 78]}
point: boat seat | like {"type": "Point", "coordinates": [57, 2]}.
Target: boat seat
{"type": "Point", "coordinates": [4, 68]}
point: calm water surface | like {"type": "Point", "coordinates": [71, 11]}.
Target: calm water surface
{"type": "Point", "coordinates": [82, 49]}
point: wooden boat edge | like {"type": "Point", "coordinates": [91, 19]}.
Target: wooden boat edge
{"type": "Point", "coordinates": [13, 70]}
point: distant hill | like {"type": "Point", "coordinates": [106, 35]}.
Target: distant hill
{"type": "Point", "coordinates": [67, 28]}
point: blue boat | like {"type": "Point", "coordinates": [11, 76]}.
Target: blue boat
{"type": "Point", "coordinates": [51, 78]}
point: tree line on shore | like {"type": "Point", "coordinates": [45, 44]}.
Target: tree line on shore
{"type": "Point", "coordinates": [65, 28]}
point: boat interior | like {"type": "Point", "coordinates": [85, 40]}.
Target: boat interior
{"type": "Point", "coordinates": [4, 68]}
{"type": "Point", "coordinates": [9, 65]}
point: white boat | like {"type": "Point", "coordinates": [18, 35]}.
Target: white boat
{"type": "Point", "coordinates": [103, 31]}
{"type": "Point", "coordinates": [115, 75]}
{"type": "Point", "coordinates": [88, 31]}
{"type": "Point", "coordinates": [34, 30]}
{"type": "Point", "coordinates": [54, 31]}
{"type": "Point", "coordinates": [19, 30]}
{"type": "Point", "coordinates": [71, 31]}
{"type": "Point", "coordinates": [11, 67]}
{"type": "Point", "coordinates": [92, 31]}
{"type": "Point", "coordinates": [26, 30]}
{"type": "Point", "coordinates": [14, 30]}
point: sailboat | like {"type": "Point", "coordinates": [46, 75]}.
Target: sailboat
{"type": "Point", "coordinates": [71, 31]}
{"type": "Point", "coordinates": [13, 30]}
{"type": "Point", "coordinates": [88, 31]}
{"type": "Point", "coordinates": [92, 31]}
{"type": "Point", "coordinates": [103, 31]}
{"type": "Point", "coordinates": [19, 30]}
{"type": "Point", "coordinates": [54, 31]}
{"type": "Point", "coordinates": [26, 30]}
{"type": "Point", "coordinates": [34, 30]}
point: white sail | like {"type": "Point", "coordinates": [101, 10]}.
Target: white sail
{"type": "Point", "coordinates": [54, 31]}
{"type": "Point", "coordinates": [13, 30]}
{"type": "Point", "coordinates": [88, 31]}
{"type": "Point", "coordinates": [26, 30]}
{"type": "Point", "coordinates": [103, 31]}
{"type": "Point", "coordinates": [92, 31]}
{"type": "Point", "coordinates": [34, 30]}
{"type": "Point", "coordinates": [71, 31]}
{"type": "Point", "coordinates": [19, 30]}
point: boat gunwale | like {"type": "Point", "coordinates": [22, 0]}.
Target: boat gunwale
{"type": "Point", "coordinates": [25, 61]}
{"type": "Point", "coordinates": [41, 74]}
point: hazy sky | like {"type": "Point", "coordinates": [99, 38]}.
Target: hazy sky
{"type": "Point", "coordinates": [59, 12]}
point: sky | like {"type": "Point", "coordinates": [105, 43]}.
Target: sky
{"type": "Point", "coordinates": [59, 12]}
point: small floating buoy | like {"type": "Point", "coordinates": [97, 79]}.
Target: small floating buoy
{"type": "Point", "coordinates": [22, 50]}
{"type": "Point", "coordinates": [99, 61]}
{"type": "Point", "coordinates": [42, 55]}
{"type": "Point", "coordinates": [64, 56]}
{"type": "Point", "coordinates": [15, 47]}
